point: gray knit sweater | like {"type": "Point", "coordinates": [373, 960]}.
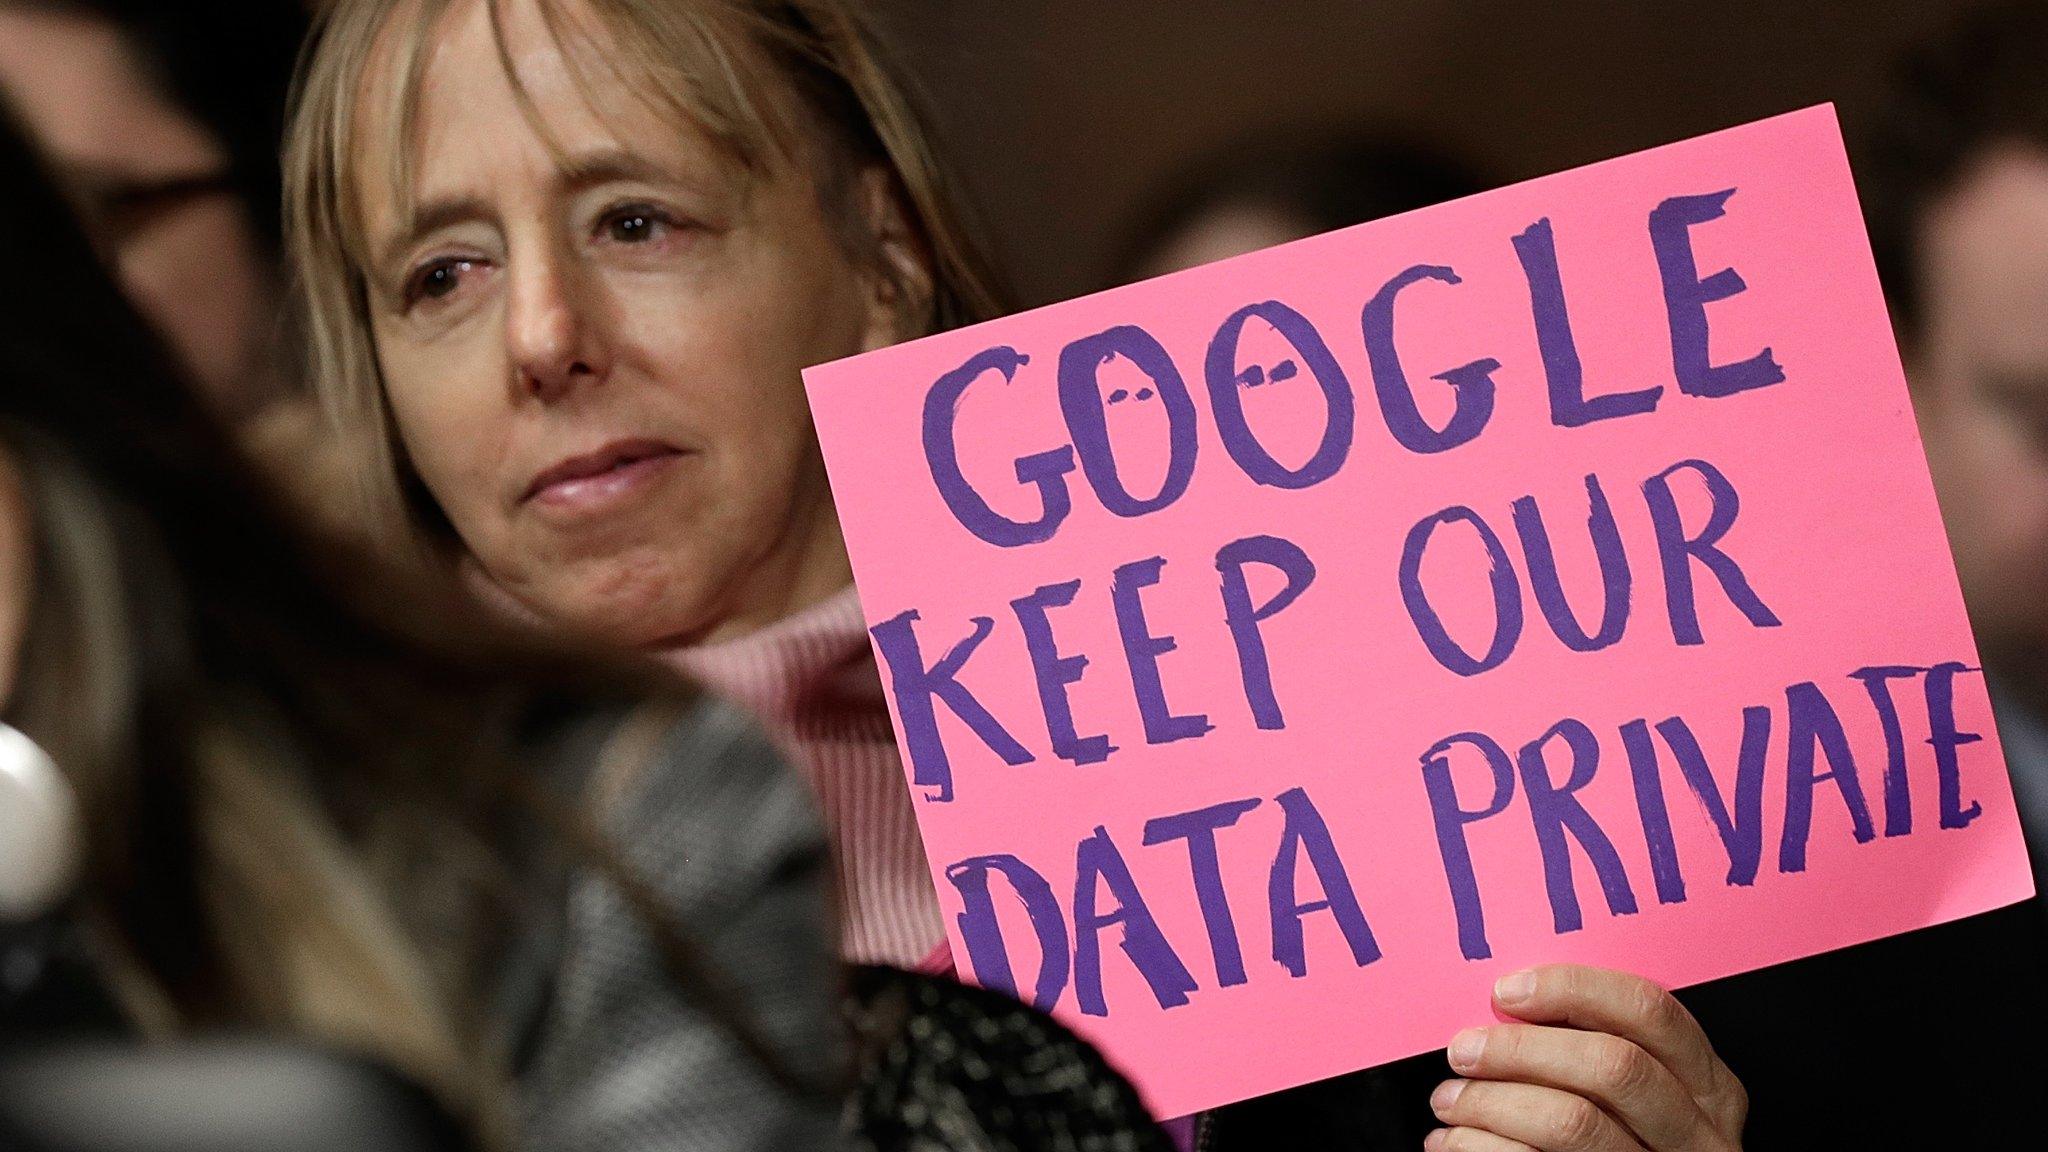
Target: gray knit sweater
{"type": "Point", "coordinates": [620, 1061]}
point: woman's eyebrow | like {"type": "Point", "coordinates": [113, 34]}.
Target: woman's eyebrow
{"type": "Point", "coordinates": [604, 166]}
{"type": "Point", "coordinates": [428, 218]}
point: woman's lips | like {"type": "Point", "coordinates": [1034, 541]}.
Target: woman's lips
{"type": "Point", "coordinates": [593, 480]}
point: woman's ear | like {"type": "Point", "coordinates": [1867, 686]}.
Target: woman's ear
{"type": "Point", "coordinates": [900, 286]}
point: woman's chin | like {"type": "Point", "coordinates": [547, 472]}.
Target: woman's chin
{"type": "Point", "coordinates": [654, 595]}
{"type": "Point", "coordinates": [639, 619]}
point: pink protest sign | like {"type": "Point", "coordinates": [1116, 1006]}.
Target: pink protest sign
{"type": "Point", "coordinates": [1283, 650]}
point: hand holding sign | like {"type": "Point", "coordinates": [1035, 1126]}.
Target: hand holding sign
{"type": "Point", "coordinates": [1607, 1061]}
{"type": "Point", "coordinates": [1329, 632]}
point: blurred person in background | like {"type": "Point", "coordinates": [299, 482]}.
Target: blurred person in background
{"type": "Point", "coordinates": [162, 120]}
{"type": "Point", "coordinates": [1955, 181]}
{"type": "Point", "coordinates": [562, 264]}
{"type": "Point", "coordinates": [267, 807]}
{"type": "Point", "coordinates": [1278, 186]}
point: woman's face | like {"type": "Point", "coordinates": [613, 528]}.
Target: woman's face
{"type": "Point", "coordinates": [593, 354]}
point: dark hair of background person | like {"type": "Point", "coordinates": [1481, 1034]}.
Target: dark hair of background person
{"type": "Point", "coordinates": [403, 710]}
{"type": "Point", "coordinates": [1983, 83]}
{"type": "Point", "coordinates": [227, 64]}
{"type": "Point", "coordinates": [1319, 181]}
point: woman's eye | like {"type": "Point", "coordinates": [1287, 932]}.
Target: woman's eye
{"type": "Point", "coordinates": [437, 279]}
{"type": "Point", "coordinates": [634, 224]}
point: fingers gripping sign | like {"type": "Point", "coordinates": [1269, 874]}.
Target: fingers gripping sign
{"type": "Point", "coordinates": [1589, 1060]}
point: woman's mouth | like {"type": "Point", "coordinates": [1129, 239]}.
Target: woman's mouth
{"type": "Point", "coordinates": [593, 480]}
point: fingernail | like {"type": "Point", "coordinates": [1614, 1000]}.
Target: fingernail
{"type": "Point", "coordinates": [1515, 988]}
{"type": "Point", "coordinates": [1446, 1094]}
{"type": "Point", "coordinates": [1437, 1141]}
{"type": "Point", "coordinates": [1466, 1047]}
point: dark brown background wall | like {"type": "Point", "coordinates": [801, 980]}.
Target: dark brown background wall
{"type": "Point", "coordinates": [1064, 113]}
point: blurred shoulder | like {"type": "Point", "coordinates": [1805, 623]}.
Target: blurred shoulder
{"type": "Point", "coordinates": [693, 783]}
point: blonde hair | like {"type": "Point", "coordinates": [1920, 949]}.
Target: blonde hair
{"type": "Point", "coordinates": [720, 64]}
{"type": "Point", "coordinates": [306, 939]}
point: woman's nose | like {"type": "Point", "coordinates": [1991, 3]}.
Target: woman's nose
{"type": "Point", "coordinates": [553, 331]}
